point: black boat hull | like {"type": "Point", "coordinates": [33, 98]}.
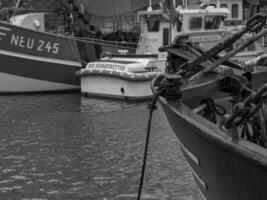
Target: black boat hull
{"type": "Point", "coordinates": [224, 169]}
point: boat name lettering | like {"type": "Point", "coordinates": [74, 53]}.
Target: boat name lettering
{"type": "Point", "coordinates": [106, 66]}
{"type": "Point", "coordinates": [205, 38]}
{"type": "Point", "coordinates": [31, 43]}
{"type": "Point", "coordinates": [123, 51]}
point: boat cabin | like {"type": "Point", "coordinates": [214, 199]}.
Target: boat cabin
{"type": "Point", "coordinates": [155, 31]}
{"type": "Point", "coordinates": [234, 17]}
{"type": "Point", "coordinates": [202, 25]}
{"type": "Point", "coordinates": [205, 26]}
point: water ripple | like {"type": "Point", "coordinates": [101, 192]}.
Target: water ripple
{"type": "Point", "coordinates": [70, 147]}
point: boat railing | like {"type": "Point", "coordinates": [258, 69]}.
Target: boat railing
{"type": "Point", "coordinates": [106, 42]}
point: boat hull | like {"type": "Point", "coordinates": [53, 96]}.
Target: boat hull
{"type": "Point", "coordinates": [114, 87]}
{"type": "Point", "coordinates": [121, 76]}
{"type": "Point", "coordinates": [223, 169]}
{"type": "Point", "coordinates": [35, 61]}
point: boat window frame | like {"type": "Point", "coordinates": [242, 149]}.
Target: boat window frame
{"type": "Point", "coordinates": [179, 25]}
{"type": "Point", "coordinates": [52, 21]}
{"type": "Point", "coordinates": [212, 24]}
{"type": "Point", "coordinates": [223, 5]}
{"type": "Point", "coordinates": [155, 27]}
{"type": "Point", "coordinates": [190, 22]}
{"type": "Point", "coordinates": [165, 36]}
{"type": "Point", "coordinates": [235, 15]}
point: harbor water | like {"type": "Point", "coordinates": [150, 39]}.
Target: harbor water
{"type": "Point", "coordinates": [68, 147]}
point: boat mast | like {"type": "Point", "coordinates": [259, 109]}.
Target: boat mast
{"type": "Point", "coordinates": [82, 9]}
{"type": "Point", "coordinates": [185, 3]}
{"type": "Point", "coordinates": [17, 4]}
{"type": "Point", "coordinates": [171, 21]}
{"type": "Point", "coordinates": [150, 6]}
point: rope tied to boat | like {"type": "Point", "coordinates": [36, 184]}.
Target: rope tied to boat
{"type": "Point", "coordinates": [168, 87]}
{"type": "Point", "coordinates": [152, 106]}
{"type": "Point", "coordinates": [212, 109]}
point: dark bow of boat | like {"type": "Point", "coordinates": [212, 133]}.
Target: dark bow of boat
{"type": "Point", "coordinates": [217, 110]}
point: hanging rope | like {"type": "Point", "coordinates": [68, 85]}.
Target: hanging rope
{"type": "Point", "coordinates": [152, 107]}
{"type": "Point", "coordinates": [168, 87]}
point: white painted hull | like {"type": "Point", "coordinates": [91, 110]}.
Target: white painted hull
{"type": "Point", "coordinates": [113, 87]}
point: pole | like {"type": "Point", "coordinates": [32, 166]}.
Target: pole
{"type": "Point", "coordinates": [170, 34]}
{"type": "Point", "coordinates": [82, 9]}
{"type": "Point", "coordinates": [150, 6]}
{"type": "Point", "coordinates": [17, 4]}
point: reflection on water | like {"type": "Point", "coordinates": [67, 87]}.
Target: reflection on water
{"type": "Point", "coordinates": [69, 147]}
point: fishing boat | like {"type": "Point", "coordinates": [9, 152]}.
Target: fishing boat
{"type": "Point", "coordinates": [39, 53]}
{"type": "Point", "coordinates": [217, 111]}
{"type": "Point", "coordinates": [34, 60]}
{"type": "Point", "coordinates": [157, 28]}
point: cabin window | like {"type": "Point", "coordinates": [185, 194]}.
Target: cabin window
{"type": "Point", "coordinates": [179, 25]}
{"type": "Point", "coordinates": [234, 11]}
{"type": "Point", "coordinates": [213, 22]}
{"type": "Point", "coordinates": [166, 35]}
{"type": "Point", "coordinates": [153, 25]}
{"type": "Point", "coordinates": [53, 21]}
{"type": "Point", "coordinates": [195, 23]}
{"type": "Point", "coordinates": [224, 5]}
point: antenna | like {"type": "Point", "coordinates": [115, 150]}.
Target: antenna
{"type": "Point", "coordinates": [82, 9]}
{"type": "Point", "coordinates": [185, 3]}
{"type": "Point", "coordinates": [17, 4]}
{"type": "Point", "coordinates": [150, 6]}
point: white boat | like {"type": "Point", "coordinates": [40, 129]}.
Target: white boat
{"type": "Point", "coordinates": [120, 77]}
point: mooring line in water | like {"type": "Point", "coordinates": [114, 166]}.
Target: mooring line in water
{"type": "Point", "coordinates": [164, 83]}
{"type": "Point", "coordinates": [152, 107]}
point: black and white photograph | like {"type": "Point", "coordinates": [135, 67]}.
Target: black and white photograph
{"type": "Point", "coordinates": [133, 99]}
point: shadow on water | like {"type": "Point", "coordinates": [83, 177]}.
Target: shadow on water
{"type": "Point", "coordinates": [71, 147]}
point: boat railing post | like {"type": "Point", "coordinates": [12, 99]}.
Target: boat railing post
{"type": "Point", "coordinates": [234, 132]}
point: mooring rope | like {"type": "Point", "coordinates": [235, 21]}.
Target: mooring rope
{"type": "Point", "coordinates": [152, 107]}
{"type": "Point", "coordinates": [162, 90]}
